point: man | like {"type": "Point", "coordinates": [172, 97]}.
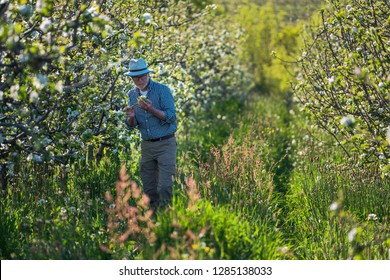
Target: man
{"type": "Point", "coordinates": [151, 109]}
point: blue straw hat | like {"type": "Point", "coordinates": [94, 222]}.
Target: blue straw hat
{"type": "Point", "coordinates": [137, 67]}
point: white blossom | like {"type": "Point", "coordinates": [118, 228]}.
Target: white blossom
{"type": "Point", "coordinates": [388, 136]}
{"type": "Point", "coordinates": [59, 86]}
{"type": "Point", "coordinates": [92, 11]}
{"type": "Point", "coordinates": [284, 250]}
{"type": "Point", "coordinates": [352, 234]}
{"type": "Point", "coordinates": [40, 81]}
{"type": "Point", "coordinates": [331, 80]}
{"type": "Point", "coordinates": [39, 6]}
{"type": "Point", "coordinates": [147, 17]}
{"type": "Point", "coordinates": [357, 71]}
{"type": "Point", "coordinates": [33, 96]}
{"type": "Point", "coordinates": [347, 121]}
{"type": "Point", "coordinates": [372, 217]}
{"type": "Point", "coordinates": [162, 71]}
{"type": "Point", "coordinates": [334, 206]}
{"type": "Point", "coordinates": [45, 25]}
{"type": "Point", "coordinates": [14, 90]}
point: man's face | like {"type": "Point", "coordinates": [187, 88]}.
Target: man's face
{"type": "Point", "coordinates": [141, 81]}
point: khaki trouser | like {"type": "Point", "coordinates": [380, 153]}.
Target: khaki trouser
{"type": "Point", "coordinates": [157, 168]}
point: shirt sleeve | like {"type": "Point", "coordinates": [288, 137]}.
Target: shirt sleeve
{"type": "Point", "coordinates": [130, 127]}
{"type": "Point", "coordinates": [168, 107]}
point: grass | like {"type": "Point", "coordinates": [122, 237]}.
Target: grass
{"type": "Point", "coordinates": [264, 192]}
{"type": "Point", "coordinates": [337, 210]}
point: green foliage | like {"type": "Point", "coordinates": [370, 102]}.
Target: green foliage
{"type": "Point", "coordinates": [322, 221]}
{"type": "Point", "coordinates": [269, 118]}
{"type": "Point", "coordinates": [271, 39]}
{"type": "Point", "coordinates": [62, 90]}
{"type": "Point", "coordinates": [211, 128]}
{"type": "Point", "coordinates": [345, 77]}
{"type": "Point", "coordinates": [295, 10]}
{"type": "Point", "coordinates": [192, 228]}
{"type": "Point", "coordinates": [56, 217]}
{"type": "Point", "coordinates": [335, 210]}
{"type": "Point", "coordinates": [213, 232]}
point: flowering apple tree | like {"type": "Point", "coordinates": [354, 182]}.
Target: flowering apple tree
{"type": "Point", "coordinates": [344, 79]}
{"type": "Point", "coordinates": [62, 88]}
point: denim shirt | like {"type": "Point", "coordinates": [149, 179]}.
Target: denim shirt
{"type": "Point", "coordinates": [149, 125]}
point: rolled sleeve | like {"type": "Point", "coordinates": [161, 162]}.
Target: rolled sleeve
{"type": "Point", "coordinates": [168, 106]}
{"type": "Point", "coordinates": [130, 127]}
{"type": "Point", "coordinates": [170, 117]}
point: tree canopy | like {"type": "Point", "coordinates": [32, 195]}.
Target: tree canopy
{"type": "Point", "coordinates": [62, 63]}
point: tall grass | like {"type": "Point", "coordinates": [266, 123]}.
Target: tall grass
{"type": "Point", "coordinates": [267, 191]}
{"type": "Point", "coordinates": [88, 212]}
{"type": "Point", "coordinates": [237, 175]}
{"type": "Point", "coordinates": [58, 215]}
{"type": "Point", "coordinates": [337, 209]}
{"type": "Point", "coordinates": [192, 228]}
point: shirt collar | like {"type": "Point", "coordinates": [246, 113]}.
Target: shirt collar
{"type": "Point", "coordinates": [151, 85]}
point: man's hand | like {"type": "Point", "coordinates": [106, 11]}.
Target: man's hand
{"type": "Point", "coordinates": [130, 112]}
{"type": "Point", "coordinates": [145, 104]}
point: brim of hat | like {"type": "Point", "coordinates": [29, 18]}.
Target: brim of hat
{"type": "Point", "coordinates": [137, 73]}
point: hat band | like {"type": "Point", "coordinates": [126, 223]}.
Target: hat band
{"type": "Point", "coordinates": [138, 70]}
